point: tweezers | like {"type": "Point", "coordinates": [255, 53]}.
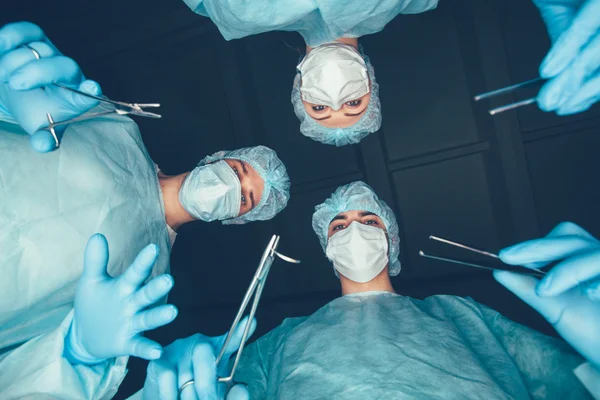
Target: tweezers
{"type": "Point", "coordinates": [509, 89]}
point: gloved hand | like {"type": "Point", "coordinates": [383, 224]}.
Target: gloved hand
{"type": "Point", "coordinates": [194, 358]}
{"type": "Point", "coordinates": [573, 63]}
{"type": "Point", "coordinates": [569, 295]}
{"type": "Point", "coordinates": [22, 76]}
{"type": "Point", "coordinates": [111, 314]}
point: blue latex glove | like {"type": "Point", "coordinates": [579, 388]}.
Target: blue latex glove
{"type": "Point", "coordinates": [22, 76]}
{"type": "Point", "coordinates": [194, 358]}
{"type": "Point", "coordinates": [573, 63]}
{"type": "Point", "coordinates": [569, 295]}
{"type": "Point", "coordinates": [111, 314]}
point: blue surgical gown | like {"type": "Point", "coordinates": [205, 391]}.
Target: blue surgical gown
{"type": "Point", "coordinates": [318, 21]}
{"type": "Point", "coordinates": [379, 345]}
{"type": "Point", "coordinates": [100, 180]}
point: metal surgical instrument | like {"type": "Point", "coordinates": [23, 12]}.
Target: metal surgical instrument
{"type": "Point", "coordinates": [521, 270]}
{"type": "Point", "coordinates": [256, 287]}
{"type": "Point", "coordinates": [118, 107]}
{"type": "Point", "coordinates": [509, 89]}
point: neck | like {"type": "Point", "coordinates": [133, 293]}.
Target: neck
{"type": "Point", "coordinates": [380, 283]}
{"type": "Point", "coordinates": [175, 214]}
{"type": "Point", "coordinates": [351, 41]}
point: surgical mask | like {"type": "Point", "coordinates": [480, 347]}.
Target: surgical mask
{"type": "Point", "coordinates": [359, 252]}
{"type": "Point", "coordinates": [333, 74]}
{"type": "Point", "coordinates": [211, 192]}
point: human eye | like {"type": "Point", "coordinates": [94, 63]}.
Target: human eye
{"type": "Point", "coordinates": [319, 108]}
{"type": "Point", "coordinates": [354, 103]}
{"type": "Point", "coordinates": [339, 227]}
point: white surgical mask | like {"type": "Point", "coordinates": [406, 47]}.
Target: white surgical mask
{"type": "Point", "coordinates": [211, 192]}
{"type": "Point", "coordinates": [333, 74]}
{"type": "Point", "coordinates": [359, 252]}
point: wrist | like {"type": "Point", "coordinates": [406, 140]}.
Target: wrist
{"type": "Point", "coordinates": [74, 350]}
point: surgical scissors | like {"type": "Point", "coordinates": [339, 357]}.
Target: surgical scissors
{"type": "Point", "coordinates": [256, 287]}
{"type": "Point", "coordinates": [509, 89]}
{"type": "Point", "coordinates": [120, 107]}
{"type": "Point", "coordinates": [506, 267]}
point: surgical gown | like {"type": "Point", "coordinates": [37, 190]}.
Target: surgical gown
{"type": "Point", "coordinates": [318, 21]}
{"type": "Point", "coordinates": [100, 180]}
{"type": "Point", "coordinates": [379, 345]}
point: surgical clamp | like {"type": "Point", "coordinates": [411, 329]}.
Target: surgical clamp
{"type": "Point", "coordinates": [121, 108]}
{"type": "Point", "coordinates": [518, 269]}
{"type": "Point", "coordinates": [256, 287]}
{"type": "Point", "coordinates": [509, 89]}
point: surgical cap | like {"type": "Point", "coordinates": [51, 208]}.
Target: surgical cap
{"type": "Point", "coordinates": [369, 122]}
{"type": "Point", "coordinates": [277, 182]}
{"type": "Point", "coordinates": [357, 196]}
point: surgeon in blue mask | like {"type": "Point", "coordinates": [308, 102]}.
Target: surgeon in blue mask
{"type": "Point", "coordinates": [373, 343]}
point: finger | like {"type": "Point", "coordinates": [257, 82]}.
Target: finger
{"type": "Point", "coordinates": [84, 103]}
{"type": "Point", "coordinates": [567, 47]}
{"type": "Point", "coordinates": [59, 69]}
{"type": "Point", "coordinates": [141, 268]}
{"type": "Point", "coordinates": [567, 274]}
{"type": "Point", "coordinates": [154, 318]}
{"type": "Point", "coordinates": [153, 291]}
{"type": "Point", "coordinates": [95, 259]}
{"type": "Point", "coordinates": [592, 289]}
{"type": "Point", "coordinates": [43, 141]}
{"type": "Point", "coordinates": [22, 56]}
{"type": "Point", "coordinates": [586, 96]}
{"type": "Point", "coordinates": [551, 308]}
{"type": "Point", "coordinates": [19, 33]}
{"type": "Point", "coordinates": [144, 348]}
{"type": "Point", "coordinates": [238, 392]}
{"type": "Point", "coordinates": [569, 228]}
{"type": "Point", "coordinates": [205, 371]}
{"type": "Point", "coordinates": [236, 338]}
{"type": "Point", "coordinates": [161, 381]}
{"type": "Point", "coordinates": [546, 249]}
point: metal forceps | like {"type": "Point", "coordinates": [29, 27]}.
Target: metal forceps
{"type": "Point", "coordinates": [504, 267]}
{"type": "Point", "coordinates": [256, 287]}
{"type": "Point", "coordinates": [119, 107]}
{"type": "Point", "coordinates": [509, 89]}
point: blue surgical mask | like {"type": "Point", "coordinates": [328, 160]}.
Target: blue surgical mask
{"type": "Point", "coordinates": [211, 192]}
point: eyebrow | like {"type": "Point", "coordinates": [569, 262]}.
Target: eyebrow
{"type": "Point", "coordinates": [357, 114]}
{"type": "Point", "coordinates": [321, 119]}
{"type": "Point", "coordinates": [243, 165]}
{"type": "Point", "coordinates": [339, 217]}
{"type": "Point", "coordinates": [367, 213]}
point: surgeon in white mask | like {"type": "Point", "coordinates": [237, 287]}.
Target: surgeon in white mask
{"type": "Point", "coordinates": [234, 187]}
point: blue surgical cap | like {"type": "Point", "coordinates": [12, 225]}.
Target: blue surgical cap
{"type": "Point", "coordinates": [369, 122]}
{"type": "Point", "coordinates": [277, 182]}
{"type": "Point", "coordinates": [358, 196]}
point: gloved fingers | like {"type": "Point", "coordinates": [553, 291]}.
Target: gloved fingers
{"type": "Point", "coordinates": [153, 291]}
{"type": "Point", "coordinates": [18, 34]}
{"type": "Point", "coordinates": [586, 96]}
{"type": "Point", "coordinates": [592, 289]}
{"type": "Point", "coordinates": [161, 381]}
{"type": "Point", "coordinates": [569, 228]}
{"type": "Point", "coordinates": [236, 338]}
{"type": "Point", "coordinates": [546, 249]}
{"type": "Point", "coordinates": [570, 273]}
{"type": "Point", "coordinates": [59, 69]}
{"type": "Point", "coordinates": [205, 371]}
{"type": "Point", "coordinates": [154, 318]}
{"type": "Point", "coordinates": [95, 259]}
{"type": "Point", "coordinates": [82, 102]}
{"type": "Point", "coordinates": [567, 47]}
{"type": "Point", "coordinates": [523, 286]}
{"type": "Point", "coordinates": [141, 268]}
{"type": "Point", "coordinates": [238, 392]}
{"type": "Point", "coordinates": [43, 141]}
{"type": "Point", "coordinates": [22, 56]}
{"type": "Point", "coordinates": [142, 347]}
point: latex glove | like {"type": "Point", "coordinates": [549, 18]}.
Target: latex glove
{"type": "Point", "coordinates": [573, 62]}
{"type": "Point", "coordinates": [111, 314]}
{"type": "Point", "coordinates": [194, 358]}
{"type": "Point", "coordinates": [22, 76]}
{"type": "Point", "coordinates": [569, 295]}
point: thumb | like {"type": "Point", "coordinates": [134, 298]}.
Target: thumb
{"type": "Point", "coordinates": [83, 103]}
{"type": "Point", "coordinates": [43, 141]}
{"type": "Point", "coordinates": [238, 392]}
{"type": "Point", "coordinates": [237, 335]}
{"type": "Point", "coordinates": [524, 286]}
{"type": "Point", "coordinates": [95, 259]}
